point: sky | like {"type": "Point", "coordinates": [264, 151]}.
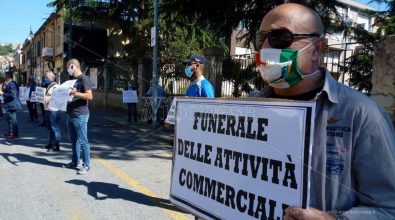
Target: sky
{"type": "Point", "coordinates": [17, 16]}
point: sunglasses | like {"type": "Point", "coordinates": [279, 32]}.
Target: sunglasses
{"type": "Point", "coordinates": [280, 38]}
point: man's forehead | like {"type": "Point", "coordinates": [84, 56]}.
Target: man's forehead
{"type": "Point", "coordinates": [293, 17]}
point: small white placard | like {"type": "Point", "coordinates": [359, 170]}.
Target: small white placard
{"type": "Point", "coordinates": [171, 115]}
{"type": "Point", "coordinates": [129, 96]}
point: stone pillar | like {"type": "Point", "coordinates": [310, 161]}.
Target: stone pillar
{"type": "Point", "coordinates": [213, 69]}
{"type": "Point", "coordinates": [383, 77]}
{"type": "Point", "coordinates": [144, 74]}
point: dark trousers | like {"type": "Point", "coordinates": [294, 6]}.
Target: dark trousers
{"type": "Point", "coordinates": [12, 122]}
{"type": "Point", "coordinates": [1, 109]}
{"type": "Point", "coordinates": [42, 112]}
{"type": "Point", "coordinates": [32, 110]}
{"type": "Point", "coordinates": [132, 109]}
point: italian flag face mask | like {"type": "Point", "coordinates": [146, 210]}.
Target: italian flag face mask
{"type": "Point", "coordinates": [279, 67]}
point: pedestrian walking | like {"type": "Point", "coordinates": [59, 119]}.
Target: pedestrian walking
{"type": "Point", "coordinates": [78, 116]}
{"type": "Point", "coordinates": [11, 104]}
{"type": "Point", "coordinates": [52, 116]}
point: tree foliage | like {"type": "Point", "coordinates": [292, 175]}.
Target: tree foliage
{"type": "Point", "coordinates": [5, 49]}
{"type": "Point", "coordinates": [225, 16]}
{"type": "Point", "coordinates": [188, 26]}
{"type": "Point", "coordinates": [360, 64]}
{"type": "Point", "coordinates": [132, 20]}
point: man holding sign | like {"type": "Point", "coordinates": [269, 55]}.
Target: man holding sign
{"type": "Point", "coordinates": [354, 144]}
{"type": "Point", "coordinates": [130, 97]}
{"type": "Point", "coordinates": [52, 116]}
{"type": "Point", "coordinates": [78, 116]}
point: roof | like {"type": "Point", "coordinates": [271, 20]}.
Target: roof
{"type": "Point", "coordinates": [357, 5]}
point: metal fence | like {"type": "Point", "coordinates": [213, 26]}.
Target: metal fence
{"type": "Point", "coordinates": [237, 76]}
{"type": "Point", "coordinates": [231, 76]}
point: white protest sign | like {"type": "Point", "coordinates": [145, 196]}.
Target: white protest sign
{"type": "Point", "coordinates": [40, 94]}
{"type": "Point", "coordinates": [171, 115]}
{"type": "Point", "coordinates": [59, 99]}
{"type": "Point", "coordinates": [237, 159]}
{"type": "Point", "coordinates": [129, 96]}
{"type": "Point", "coordinates": [68, 84]}
{"type": "Point", "coordinates": [61, 95]}
{"type": "Point", "coordinates": [33, 97]}
{"type": "Point", "coordinates": [24, 93]}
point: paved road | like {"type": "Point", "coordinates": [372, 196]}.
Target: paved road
{"type": "Point", "coordinates": [129, 177]}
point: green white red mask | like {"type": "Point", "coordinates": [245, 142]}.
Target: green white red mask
{"type": "Point", "coordinates": [279, 67]}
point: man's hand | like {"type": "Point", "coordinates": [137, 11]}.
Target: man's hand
{"type": "Point", "coordinates": [1, 92]}
{"type": "Point", "coordinates": [73, 91]}
{"type": "Point", "coordinates": [167, 125]}
{"type": "Point", "coordinates": [294, 213]}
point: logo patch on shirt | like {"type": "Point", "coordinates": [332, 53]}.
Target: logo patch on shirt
{"type": "Point", "coordinates": [334, 161]}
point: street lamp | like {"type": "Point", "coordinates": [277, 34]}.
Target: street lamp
{"type": "Point", "coordinates": [31, 35]}
{"type": "Point", "coordinates": [30, 39]}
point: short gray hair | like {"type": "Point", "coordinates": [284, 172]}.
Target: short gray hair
{"type": "Point", "coordinates": [50, 75]}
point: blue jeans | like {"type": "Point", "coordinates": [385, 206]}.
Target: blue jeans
{"type": "Point", "coordinates": [77, 126]}
{"type": "Point", "coordinates": [12, 122]}
{"type": "Point", "coordinates": [52, 119]}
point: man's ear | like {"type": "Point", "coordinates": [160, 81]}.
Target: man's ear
{"type": "Point", "coordinates": [320, 48]}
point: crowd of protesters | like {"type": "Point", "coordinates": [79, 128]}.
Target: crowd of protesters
{"type": "Point", "coordinates": [366, 181]}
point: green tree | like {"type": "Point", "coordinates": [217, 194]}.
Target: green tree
{"type": "Point", "coordinates": [360, 64]}
{"type": "Point", "coordinates": [225, 16]}
{"type": "Point", "coordinates": [6, 49]}
{"type": "Point", "coordinates": [135, 19]}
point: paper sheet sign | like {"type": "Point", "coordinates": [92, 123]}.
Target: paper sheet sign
{"type": "Point", "coordinates": [129, 96]}
{"type": "Point", "coordinates": [171, 115]}
{"type": "Point", "coordinates": [24, 93]}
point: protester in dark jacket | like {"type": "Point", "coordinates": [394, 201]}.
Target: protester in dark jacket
{"type": "Point", "coordinates": [31, 106]}
{"type": "Point", "coordinates": [11, 105]}
{"type": "Point", "coordinates": [132, 107]}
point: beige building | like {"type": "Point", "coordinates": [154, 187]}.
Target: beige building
{"type": "Point", "coordinates": [43, 50]}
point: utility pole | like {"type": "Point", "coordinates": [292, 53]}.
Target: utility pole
{"type": "Point", "coordinates": [69, 42]}
{"type": "Point", "coordinates": [154, 32]}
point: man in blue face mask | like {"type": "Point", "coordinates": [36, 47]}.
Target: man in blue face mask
{"type": "Point", "coordinates": [352, 161]}
{"type": "Point", "coordinates": [194, 69]}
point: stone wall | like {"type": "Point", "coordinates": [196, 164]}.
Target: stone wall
{"type": "Point", "coordinates": [383, 77]}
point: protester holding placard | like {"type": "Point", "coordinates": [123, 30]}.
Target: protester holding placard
{"type": "Point", "coordinates": [160, 94]}
{"type": "Point", "coordinates": [31, 106]}
{"type": "Point", "coordinates": [132, 107]}
{"type": "Point", "coordinates": [354, 142]}
{"type": "Point", "coordinates": [52, 115]}
{"type": "Point", "coordinates": [11, 104]}
{"type": "Point", "coordinates": [78, 116]}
